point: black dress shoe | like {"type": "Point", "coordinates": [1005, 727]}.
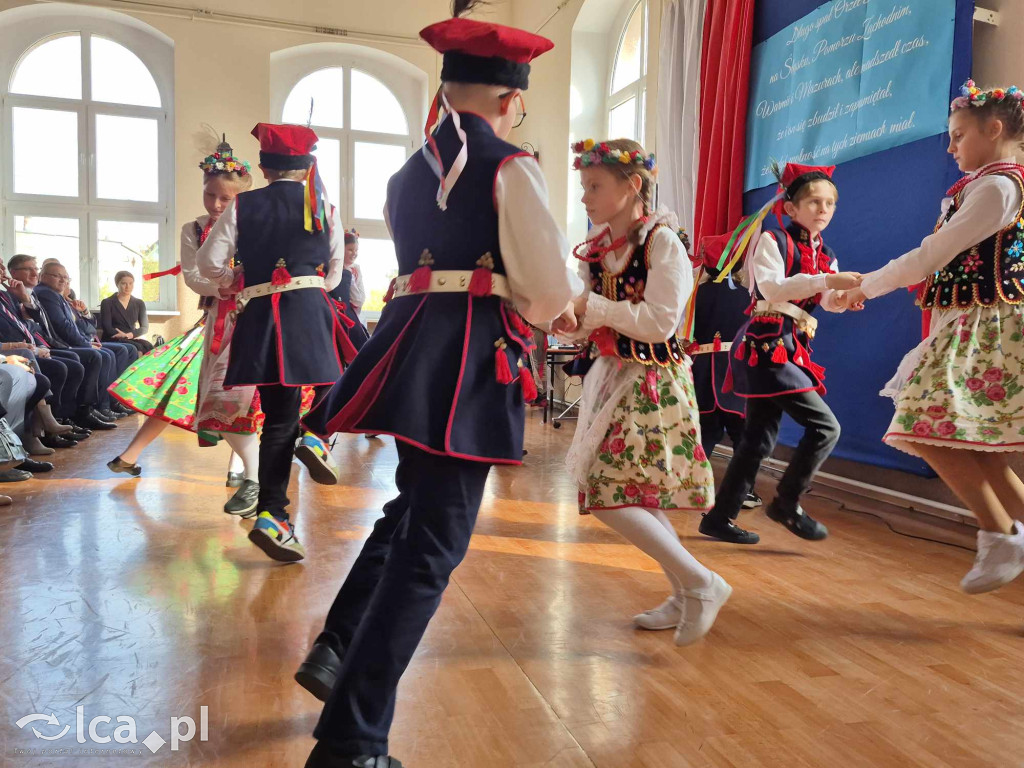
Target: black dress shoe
{"type": "Point", "coordinates": [323, 756]}
{"type": "Point", "coordinates": [235, 479]}
{"type": "Point", "coordinates": [122, 409]}
{"type": "Point", "coordinates": [35, 467]}
{"type": "Point", "coordinates": [753, 501]}
{"type": "Point", "coordinates": [58, 441]}
{"type": "Point", "coordinates": [117, 465]}
{"type": "Point", "coordinates": [78, 434]}
{"type": "Point", "coordinates": [318, 673]}
{"type": "Point", "coordinates": [92, 422]}
{"type": "Point", "coordinates": [104, 414]}
{"type": "Point", "coordinates": [797, 521]}
{"type": "Point", "coordinates": [727, 531]}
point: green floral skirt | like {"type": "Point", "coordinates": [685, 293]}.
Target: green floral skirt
{"type": "Point", "coordinates": [964, 388]}
{"type": "Point", "coordinates": [650, 453]}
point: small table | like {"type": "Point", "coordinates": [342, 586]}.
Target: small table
{"type": "Point", "coordinates": [555, 356]}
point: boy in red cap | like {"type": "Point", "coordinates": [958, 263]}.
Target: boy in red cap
{"type": "Point", "coordinates": [791, 273]}
{"type": "Point", "coordinates": [279, 249]}
{"type": "Point", "coordinates": [443, 373]}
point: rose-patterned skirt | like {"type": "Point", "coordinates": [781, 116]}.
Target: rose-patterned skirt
{"type": "Point", "coordinates": [650, 455]}
{"type": "Point", "coordinates": [165, 384]}
{"type": "Point", "coordinates": [964, 389]}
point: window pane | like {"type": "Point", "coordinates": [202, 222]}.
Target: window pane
{"type": "Point", "coordinates": [120, 77]}
{"type": "Point", "coordinates": [375, 165]}
{"type": "Point", "coordinates": [53, 68]}
{"type": "Point", "coordinates": [48, 238]}
{"type": "Point", "coordinates": [627, 58]}
{"type": "Point", "coordinates": [374, 106]}
{"type": "Point", "coordinates": [622, 121]}
{"type": "Point", "coordinates": [325, 87]}
{"type": "Point", "coordinates": [328, 164]}
{"type": "Point", "coordinates": [379, 265]}
{"type": "Point", "coordinates": [45, 152]}
{"type": "Point", "coordinates": [642, 133]}
{"type": "Point", "coordinates": [127, 158]}
{"type": "Point", "coordinates": [128, 245]}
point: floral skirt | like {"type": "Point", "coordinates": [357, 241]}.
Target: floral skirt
{"type": "Point", "coordinates": [165, 385]}
{"type": "Point", "coordinates": [650, 455]}
{"type": "Point", "coordinates": [964, 387]}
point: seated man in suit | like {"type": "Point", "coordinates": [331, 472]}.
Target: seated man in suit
{"type": "Point", "coordinates": [98, 368]}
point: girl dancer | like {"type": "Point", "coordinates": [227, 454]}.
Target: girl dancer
{"type": "Point", "coordinates": [959, 395]}
{"type": "Point", "coordinates": [181, 383]}
{"type": "Point", "coordinates": [637, 451]}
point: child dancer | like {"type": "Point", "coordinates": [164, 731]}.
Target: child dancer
{"type": "Point", "coordinates": [182, 383]}
{"type": "Point", "coordinates": [441, 372]}
{"type": "Point", "coordinates": [285, 240]}
{"type": "Point", "coordinates": [791, 273]}
{"type": "Point", "coordinates": [351, 291]}
{"type": "Point", "coordinates": [637, 452]}
{"type": "Point", "coordinates": [719, 312]}
{"type": "Point", "coordinates": [959, 398]}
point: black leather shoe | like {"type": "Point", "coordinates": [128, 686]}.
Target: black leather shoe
{"type": "Point", "coordinates": [78, 434]}
{"type": "Point", "coordinates": [798, 522]}
{"type": "Point", "coordinates": [753, 501]}
{"type": "Point", "coordinates": [104, 414]}
{"type": "Point", "coordinates": [323, 756]}
{"type": "Point", "coordinates": [727, 531]}
{"type": "Point", "coordinates": [318, 673]}
{"type": "Point", "coordinates": [35, 467]}
{"type": "Point", "coordinates": [116, 465]}
{"type": "Point", "coordinates": [93, 422]}
{"type": "Point", "coordinates": [235, 480]}
{"type": "Point", "coordinates": [121, 409]}
{"type": "Point", "coordinates": [58, 441]}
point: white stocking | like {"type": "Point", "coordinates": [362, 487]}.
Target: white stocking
{"type": "Point", "coordinates": [652, 533]}
{"type": "Point", "coordinates": [246, 449]}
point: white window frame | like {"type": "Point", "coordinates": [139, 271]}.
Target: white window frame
{"type": "Point", "coordinates": [408, 84]}
{"type": "Point", "coordinates": [638, 88]}
{"type": "Point", "coordinates": [156, 51]}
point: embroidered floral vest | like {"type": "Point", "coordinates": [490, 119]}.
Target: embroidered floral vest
{"type": "Point", "coordinates": [629, 284]}
{"type": "Point", "coordinates": [991, 271]}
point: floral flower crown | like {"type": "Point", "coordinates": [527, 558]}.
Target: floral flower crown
{"type": "Point", "coordinates": [224, 161]}
{"type": "Point", "coordinates": [972, 96]}
{"type": "Point", "coordinates": [590, 153]}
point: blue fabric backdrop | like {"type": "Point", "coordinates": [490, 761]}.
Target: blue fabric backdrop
{"type": "Point", "coordinates": [887, 203]}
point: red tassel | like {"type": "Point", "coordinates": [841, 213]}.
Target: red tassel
{"type": "Point", "coordinates": [752, 360]}
{"type": "Point", "coordinates": [480, 283]}
{"type": "Point", "coordinates": [528, 384]}
{"type": "Point", "coordinates": [741, 350]}
{"type": "Point", "coordinates": [391, 291]}
{"type": "Point", "coordinates": [691, 348]}
{"type": "Point", "coordinates": [727, 384]}
{"type": "Point", "coordinates": [420, 280]}
{"type": "Point", "coordinates": [522, 328]}
{"type": "Point", "coordinates": [280, 275]}
{"type": "Point", "coordinates": [502, 370]}
{"type": "Point", "coordinates": [718, 342]}
{"type": "Point", "coordinates": [780, 355]}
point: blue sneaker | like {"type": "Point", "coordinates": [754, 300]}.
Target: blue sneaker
{"type": "Point", "coordinates": [316, 455]}
{"type": "Point", "coordinates": [277, 539]}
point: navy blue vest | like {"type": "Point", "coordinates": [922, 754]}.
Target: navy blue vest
{"type": "Point", "coordinates": [357, 334]}
{"type": "Point", "coordinates": [287, 338]}
{"type": "Point", "coordinates": [770, 356]}
{"type": "Point", "coordinates": [720, 311]}
{"type": "Point", "coordinates": [427, 375]}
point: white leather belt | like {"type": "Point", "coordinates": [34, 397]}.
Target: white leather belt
{"type": "Point", "coordinates": [451, 281]}
{"type": "Point", "coordinates": [267, 289]}
{"type": "Point", "coordinates": [705, 349]}
{"type": "Point", "coordinates": [804, 321]}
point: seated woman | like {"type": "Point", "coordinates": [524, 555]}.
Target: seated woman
{"type": "Point", "coordinates": [123, 316]}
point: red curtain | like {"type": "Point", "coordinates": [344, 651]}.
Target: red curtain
{"type": "Point", "coordinates": [724, 88]}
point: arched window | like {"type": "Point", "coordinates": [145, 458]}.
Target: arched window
{"type": "Point", "coordinates": [627, 86]}
{"type": "Point", "coordinates": [363, 105]}
{"type": "Point", "coordinates": [87, 154]}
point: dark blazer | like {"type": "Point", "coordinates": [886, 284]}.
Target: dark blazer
{"type": "Point", "coordinates": [115, 317]}
{"type": "Point", "coordinates": [61, 316]}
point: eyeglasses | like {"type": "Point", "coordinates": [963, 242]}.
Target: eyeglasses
{"type": "Point", "coordinates": [33, 270]}
{"type": "Point", "coordinates": [58, 278]}
{"type": "Point", "coordinates": [520, 109]}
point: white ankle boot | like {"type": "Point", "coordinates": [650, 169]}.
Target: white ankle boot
{"type": "Point", "coordinates": [36, 448]}
{"type": "Point", "coordinates": [999, 561]}
{"type": "Point", "coordinates": [665, 616]}
{"type": "Point", "coordinates": [700, 609]}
